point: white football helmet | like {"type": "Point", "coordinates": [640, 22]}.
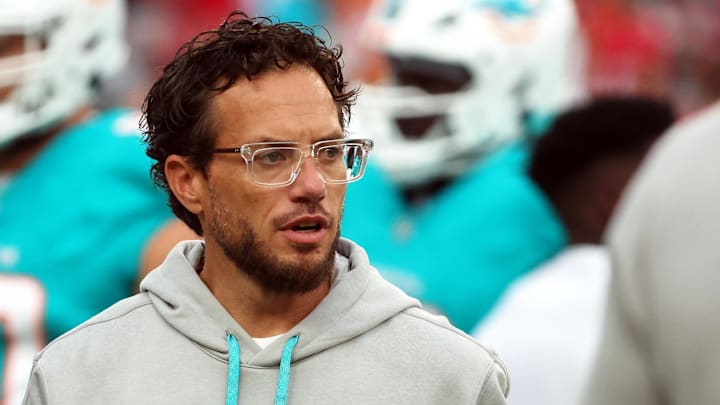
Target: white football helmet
{"type": "Point", "coordinates": [67, 48]}
{"type": "Point", "coordinates": [464, 76]}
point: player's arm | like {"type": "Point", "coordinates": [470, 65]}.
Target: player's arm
{"type": "Point", "coordinates": [158, 246]}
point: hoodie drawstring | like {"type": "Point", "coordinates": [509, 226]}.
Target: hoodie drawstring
{"type": "Point", "coordinates": [284, 377]}
{"type": "Point", "coordinates": [233, 383]}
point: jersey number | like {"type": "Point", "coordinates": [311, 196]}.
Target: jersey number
{"type": "Point", "coordinates": [22, 312]}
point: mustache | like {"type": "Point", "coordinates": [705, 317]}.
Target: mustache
{"type": "Point", "coordinates": [304, 209]}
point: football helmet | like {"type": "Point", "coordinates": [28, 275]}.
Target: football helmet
{"type": "Point", "coordinates": [465, 76]}
{"type": "Point", "coordinates": [53, 55]}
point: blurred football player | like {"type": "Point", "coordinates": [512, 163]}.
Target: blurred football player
{"type": "Point", "coordinates": [448, 213]}
{"type": "Point", "coordinates": [80, 219]}
{"type": "Point", "coordinates": [554, 313]}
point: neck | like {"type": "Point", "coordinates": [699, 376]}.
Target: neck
{"type": "Point", "coordinates": [19, 154]}
{"type": "Point", "coordinates": [260, 312]}
{"type": "Point", "coordinates": [585, 229]}
{"type": "Point", "coordinates": [584, 237]}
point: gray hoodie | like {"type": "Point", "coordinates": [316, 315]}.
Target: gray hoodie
{"type": "Point", "coordinates": [174, 343]}
{"type": "Point", "coordinates": [661, 330]}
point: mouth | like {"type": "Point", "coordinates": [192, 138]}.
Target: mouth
{"type": "Point", "coordinates": [306, 223]}
{"type": "Point", "coordinates": [307, 229]}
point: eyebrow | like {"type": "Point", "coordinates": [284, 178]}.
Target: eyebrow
{"type": "Point", "coordinates": [330, 137]}
{"type": "Point", "coordinates": [271, 139]}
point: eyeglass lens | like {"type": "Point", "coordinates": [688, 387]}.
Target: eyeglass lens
{"type": "Point", "coordinates": [336, 163]}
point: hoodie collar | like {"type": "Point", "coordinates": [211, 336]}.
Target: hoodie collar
{"type": "Point", "coordinates": [359, 300]}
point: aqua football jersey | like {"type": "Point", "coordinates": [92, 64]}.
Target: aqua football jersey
{"type": "Point", "coordinates": [459, 251]}
{"type": "Point", "coordinates": [73, 224]}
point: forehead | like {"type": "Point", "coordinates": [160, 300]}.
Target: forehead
{"type": "Point", "coordinates": [283, 105]}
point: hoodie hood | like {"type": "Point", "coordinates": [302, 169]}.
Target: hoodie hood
{"type": "Point", "coordinates": [359, 300]}
{"type": "Point", "coordinates": [365, 342]}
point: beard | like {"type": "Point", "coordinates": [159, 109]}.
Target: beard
{"type": "Point", "coordinates": [255, 258]}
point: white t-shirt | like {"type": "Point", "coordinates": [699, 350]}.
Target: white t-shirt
{"type": "Point", "coordinates": [547, 326]}
{"type": "Point", "coordinates": [266, 341]}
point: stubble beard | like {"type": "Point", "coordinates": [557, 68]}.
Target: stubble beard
{"type": "Point", "coordinates": [255, 258]}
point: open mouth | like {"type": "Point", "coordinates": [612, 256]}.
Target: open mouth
{"type": "Point", "coordinates": [306, 230]}
{"type": "Point", "coordinates": [306, 223]}
{"type": "Point", "coordinates": [306, 227]}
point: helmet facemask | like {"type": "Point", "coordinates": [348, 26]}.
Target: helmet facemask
{"type": "Point", "coordinates": [459, 87]}
{"type": "Point", "coordinates": [67, 48]}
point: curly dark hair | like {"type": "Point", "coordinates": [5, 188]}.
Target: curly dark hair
{"type": "Point", "coordinates": [177, 118]}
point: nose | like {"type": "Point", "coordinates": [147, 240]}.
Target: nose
{"type": "Point", "coordinates": [308, 186]}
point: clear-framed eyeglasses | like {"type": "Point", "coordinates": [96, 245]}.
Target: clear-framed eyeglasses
{"type": "Point", "coordinates": [278, 164]}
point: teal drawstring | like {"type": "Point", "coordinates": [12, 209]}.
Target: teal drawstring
{"type": "Point", "coordinates": [284, 377]}
{"type": "Point", "coordinates": [233, 382]}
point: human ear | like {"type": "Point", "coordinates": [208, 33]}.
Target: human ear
{"type": "Point", "coordinates": [186, 182]}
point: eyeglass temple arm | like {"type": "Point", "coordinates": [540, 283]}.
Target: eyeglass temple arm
{"type": "Point", "coordinates": [227, 150]}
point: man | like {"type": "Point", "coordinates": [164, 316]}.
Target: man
{"type": "Point", "coordinates": [470, 83]}
{"type": "Point", "coordinates": [247, 127]}
{"type": "Point", "coordinates": [80, 219]}
{"type": "Point", "coordinates": [554, 314]}
{"type": "Point", "coordinates": [660, 339]}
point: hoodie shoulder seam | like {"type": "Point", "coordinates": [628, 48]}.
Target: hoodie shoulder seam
{"type": "Point", "coordinates": [449, 328]}
{"type": "Point", "coordinates": [496, 362]}
{"type": "Point", "coordinates": [93, 322]}
{"type": "Point", "coordinates": [492, 355]}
